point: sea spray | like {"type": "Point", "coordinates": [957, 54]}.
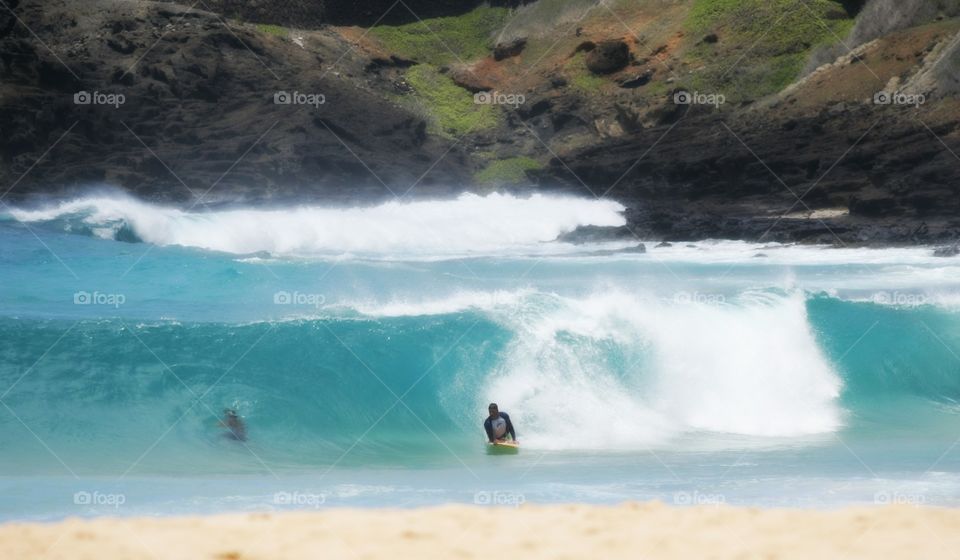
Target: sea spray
{"type": "Point", "coordinates": [623, 371]}
{"type": "Point", "coordinates": [468, 224]}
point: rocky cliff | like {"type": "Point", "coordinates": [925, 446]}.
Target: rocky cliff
{"type": "Point", "coordinates": [827, 121]}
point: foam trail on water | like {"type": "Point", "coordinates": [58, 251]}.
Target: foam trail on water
{"type": "Point", "coordinates": [469, 224]}
{"type": "Point", "coordinates": [455, 303]}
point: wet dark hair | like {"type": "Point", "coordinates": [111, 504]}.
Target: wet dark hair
{"type": "Point", "coordinates": [493, 406]}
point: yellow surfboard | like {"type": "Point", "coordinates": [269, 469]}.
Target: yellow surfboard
{"type": "Point", "coordinates": [503, 448]}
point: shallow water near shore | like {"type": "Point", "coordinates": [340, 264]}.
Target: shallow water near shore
{"type": "Point", "coordinates": [362, 361]}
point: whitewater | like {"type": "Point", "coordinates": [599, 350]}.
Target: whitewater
{"type": "Point", "coordinates": [362, 345]}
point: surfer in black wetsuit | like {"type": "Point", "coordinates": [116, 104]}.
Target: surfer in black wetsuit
{"type": "Point", "coordinates": [498, 425]}
{"type": "Point", "coordinates": [234, 425]}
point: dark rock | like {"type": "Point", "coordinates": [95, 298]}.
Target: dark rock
{"type": "Point", "coordinates": [391, 62]}
{"type": "Point", "coordinates": [585, 46]}
{"type": "Point", "coordinates": [670, 112]}
{"type": "Point", "coordinates": [400, 85]}
{"type": "Point", "coordinates": [207, 92]}
{"type": "Point", "coordinates": [638, 80]}
{"type": "Point", "coordinates": [873, 205]}
{"type": "Point", "coordinates": [948, 251]}
{"type": "Point", "coordinates": [155, 72]}
{"type": "Point", "coordinates": [469, 80]}
{"type": "Point", "coordinates": [664, 244]}
{"type": "Point", "coordinates": [608, 57]}
{"type": "Point", "coordinates": [595, 234]}
{"type": "Point", "coordinates": [121, 45]}
{"type": "Point", "coordinates": [536, 109]}
{"type": "Point", "coordinates": [122, 77]}
{"type": "Point", "coordinates": [420, 133]}
{"type": "Point", "coordinates": [204, 104]}
{"type": "Point", "coordinates": [51, 74]}
{"type": "Point", "coordinates": [637, 249]}
{"type": "Point", "coordinates": [711, 38]}
{"type": "Point", "coordinates": [699, 182]}
{"type": "Point", "coordinates": [232, 40]}
{"type": "Point", "coordinates": [510, 49]}
{"type": "Point", "coordinates": [562, 119]}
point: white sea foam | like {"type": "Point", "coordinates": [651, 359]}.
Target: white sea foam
{"type": "Point", "coordinates": [467, 225]}
{"type": "Point", "coordinates": [455, 303]}
{"type": "Point", "coordinates": [617, 370]}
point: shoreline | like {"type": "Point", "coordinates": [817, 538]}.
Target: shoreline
{"type": "Point", "coordinates": [630, 530]}
{"type": "Point", "coordinates": [643, 224]}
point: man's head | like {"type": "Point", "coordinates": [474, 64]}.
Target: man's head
{"type": "Point", "coordinates": [494, 411]}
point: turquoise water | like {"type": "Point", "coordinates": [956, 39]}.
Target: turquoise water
{"type": "Point", "coordinates": [715, 372]}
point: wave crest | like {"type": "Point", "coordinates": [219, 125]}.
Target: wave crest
{"type": "Point", "coordinates": [467, 225]}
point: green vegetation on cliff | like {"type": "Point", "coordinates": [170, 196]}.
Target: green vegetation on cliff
{"type": "Point", "coordinates": [270, 29]}
{"type": "Point", "coordinates": [581, 78]}
{"type": "Point", "coordinates": [508, 171]}
{"type": "Point", "coordinates": [761, 45]}
{"type": "Point", "coordinates": [450, 107]}
{"type": "Point", "coordinates": [443, 40]}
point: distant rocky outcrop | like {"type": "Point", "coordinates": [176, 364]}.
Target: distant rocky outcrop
{"type": "Point", "coordinates": [948, 251]}
{"type": "Point", "coordinates": [311, 14]}
{"type": "Point", "coordinates": [509, 48]}
{"type": "Point", "coordinates": [608, 57]}
{"type": "Point", "coordinates": [208, 111]}
{"type": "Point", "coordinates": [881, 17]}
{"type": "Point", "coordinates": [940, 74]}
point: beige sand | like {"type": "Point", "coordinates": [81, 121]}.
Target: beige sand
{"type": "Point", "coordinates": [634, 531]}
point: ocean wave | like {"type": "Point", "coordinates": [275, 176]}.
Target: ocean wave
{"type": "Point", "coordinates": [467, 225]}
{"type": "Point", "coordinates": [614, 370]}
{"type": "Point", "coordinates": [604, 370]}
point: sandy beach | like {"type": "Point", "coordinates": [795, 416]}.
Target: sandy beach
{"type": "Point", "coordinates": [649, 530]}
